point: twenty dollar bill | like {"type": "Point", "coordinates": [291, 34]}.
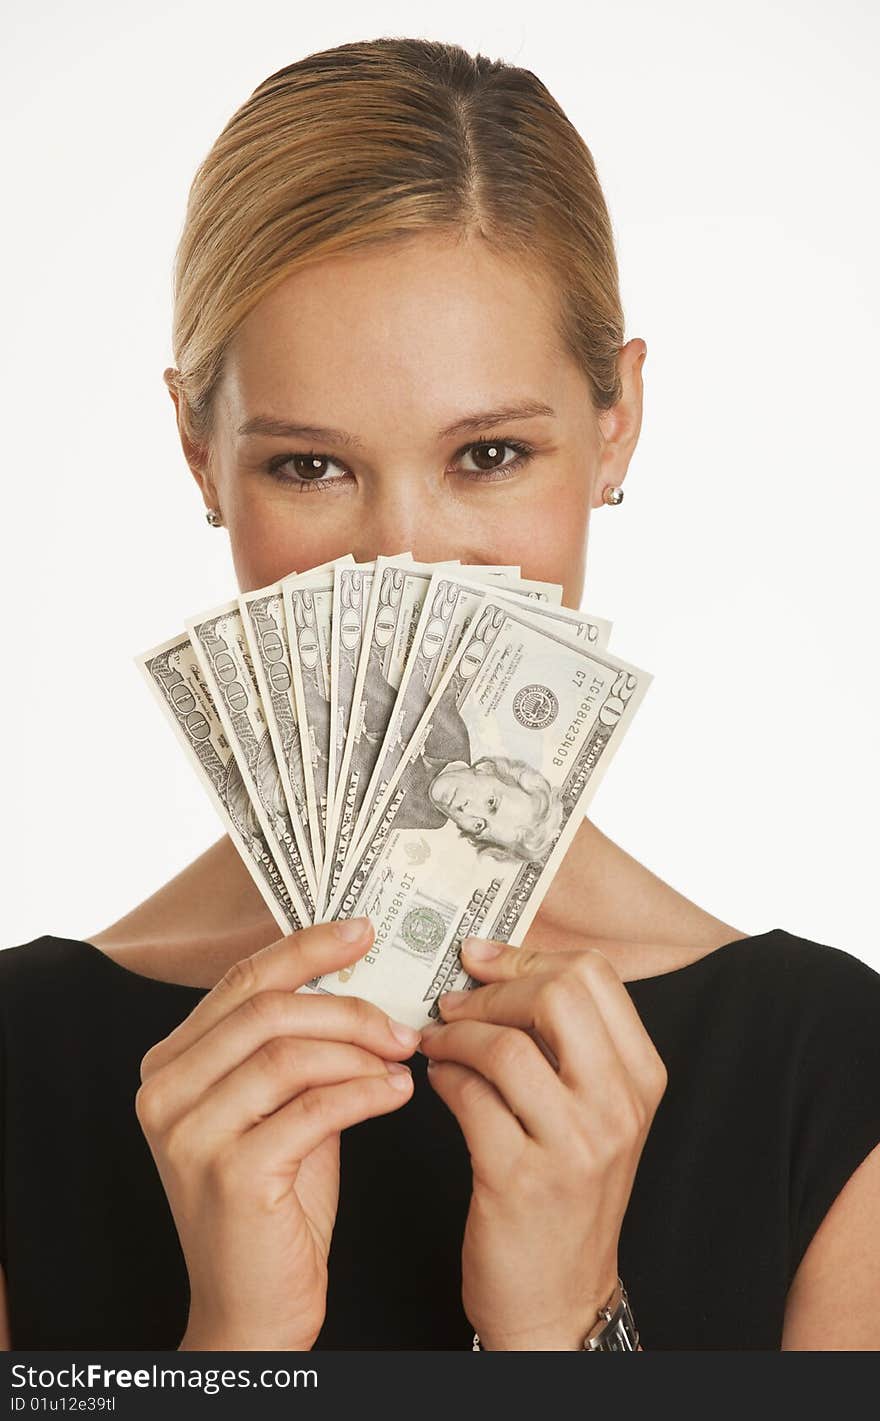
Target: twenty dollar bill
{"type": "Point", "coordinates": [483, 805]}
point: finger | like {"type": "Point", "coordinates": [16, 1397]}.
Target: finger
{"type": "Point", "coordinates": [563, 1012]}
{"type": "Point", "coordinates": [285, 965]}
{"type": "Point", "coordinates": [637, 1051]}
{"type": "Point", "coordinates": [278, 1072]}
{"type": "Point", "coordinates": [494, 1137]}
{"type": "Point", "coordinates": [293, 1132]}
{"type": "Point", "coordinates": [514, 1064]}
{"type": "Point", "coordinates": [622, 1020]}
{"type": "Point", "coordinates": [276, 1014]}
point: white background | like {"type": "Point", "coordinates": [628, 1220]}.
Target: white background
{"type": "Point", "coordinates": [736, 145]}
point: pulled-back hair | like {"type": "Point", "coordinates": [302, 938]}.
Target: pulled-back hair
{"type": "Point", "coordinates": [372, 142]}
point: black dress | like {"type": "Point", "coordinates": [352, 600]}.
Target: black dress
{"type": "Point", "coordinates": [772, 1046]}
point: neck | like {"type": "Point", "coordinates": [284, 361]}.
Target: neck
{"type": "Point", "coordinates": [211, 915]}
{"type": "Point", "coordinates": [600, 891]}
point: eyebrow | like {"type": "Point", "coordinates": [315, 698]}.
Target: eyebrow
{"type": "Point", "coordinates": [288, 429]}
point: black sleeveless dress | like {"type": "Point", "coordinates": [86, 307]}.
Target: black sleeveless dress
{"type": "Point", "coordinates": [772, 1045]}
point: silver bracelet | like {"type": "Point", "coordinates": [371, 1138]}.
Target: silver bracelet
{"type": "Point", "coordinates": [618, 1332]}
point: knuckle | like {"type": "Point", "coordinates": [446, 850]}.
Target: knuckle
{"type": "Point", "coordinates": [313, 1104]}
{"type": "Point", "coordinates": [149, 1062]}
{"type": "Point", "coordinates": [361, 1012]}
{"type": "Point", "coordinates": [241, 978]}
{"type": "Point", "coordinates": [148, 1106]}
{"type": "Point", "coordinates": [280, 1054]}
{"type": "Point", "coordinates": [526, 959]}
{"type": "Point", "coordinates": [659, 1077]}
{"type": "Point", "coordinates": [596, 965]}
{"type": "Point", "coordinates": [508, 1049]}
{"type": "Point", "coordinates": [270, 1009]}
{"type": "Point", "coordinates": [562, 990]}
{"type": "Point", "coordinates": [641, 1115]}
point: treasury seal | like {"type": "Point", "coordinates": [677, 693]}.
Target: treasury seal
{"type": "Point", "coordinates": [422, 930]}
{"type": "Point", "coordinates": [535, 707]}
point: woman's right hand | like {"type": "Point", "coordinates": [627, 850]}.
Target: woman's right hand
{"type": "Point", "coordinates": [242, 1106]}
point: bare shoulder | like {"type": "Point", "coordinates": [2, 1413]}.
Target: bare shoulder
{"type": "Point", "coordinates": [193, 927]}
{"type": "Point", "coordinates": [832, 1301]}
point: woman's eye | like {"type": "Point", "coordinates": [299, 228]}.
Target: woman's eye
{"type": "Point", "coordinates": [312, 471]}
{"type": "Point", "coordinates": [493, 802]}
{"type": "Point", "coordinates": [489, 459]}
{"type": "Point", "coordinates": [306, 471]}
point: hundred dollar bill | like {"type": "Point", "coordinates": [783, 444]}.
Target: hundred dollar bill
{"type": "Point", "coordinates": [265, 627]}
{"type": "Point", "coordinates": [308, 601]}
{"type": "Point", "coordinates": [395, 604]}
{"type": "Point", "coordinates": [450, 602]}
{"type": "Point", "coordinates": [221, 647]}
{"type": "Point", "coordinates": [351, 598]}
{"type": "Point", "coordinates": [483, 805]}
{"type": "Point", "coordinates": [173, 672]}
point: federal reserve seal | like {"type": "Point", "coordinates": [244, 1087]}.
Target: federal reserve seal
{"type": "Point", "coordinates": [535, 707]}
{"type": "Point", "coordinates": [423, 930]}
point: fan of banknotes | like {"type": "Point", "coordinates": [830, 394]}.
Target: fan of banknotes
{"type": "Point", "coordinates": [412, 742]}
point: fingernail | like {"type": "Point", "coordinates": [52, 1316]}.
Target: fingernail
{"type": "Point", "coordinates": [399, 1076]}
{"type": "Point", "coordinates": [451, 999]}
{"type": "Point", "coordinates": [406, 1035]}
{"type": "Point", "coordinates": [480, 948]}
{"type": "Point", "coordinates": [351, 929]}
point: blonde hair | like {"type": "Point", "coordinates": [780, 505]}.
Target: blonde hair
{"type": "Point", "coordinates": [375, 141]}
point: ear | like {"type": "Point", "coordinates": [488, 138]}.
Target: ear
{"type": "Point", "coordinates": [195, 454]}
{"type": "Point", "coordinates": [620, 425]}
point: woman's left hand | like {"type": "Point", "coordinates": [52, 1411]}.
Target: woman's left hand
{"type": "Point", "coordinates": [553, 1152]}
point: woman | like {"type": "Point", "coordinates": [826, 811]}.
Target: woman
{"type": "Point", "coordinates": [398, 325]}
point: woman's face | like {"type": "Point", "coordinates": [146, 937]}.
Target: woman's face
{"type": "Point", "coordinates": [362, 410]}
